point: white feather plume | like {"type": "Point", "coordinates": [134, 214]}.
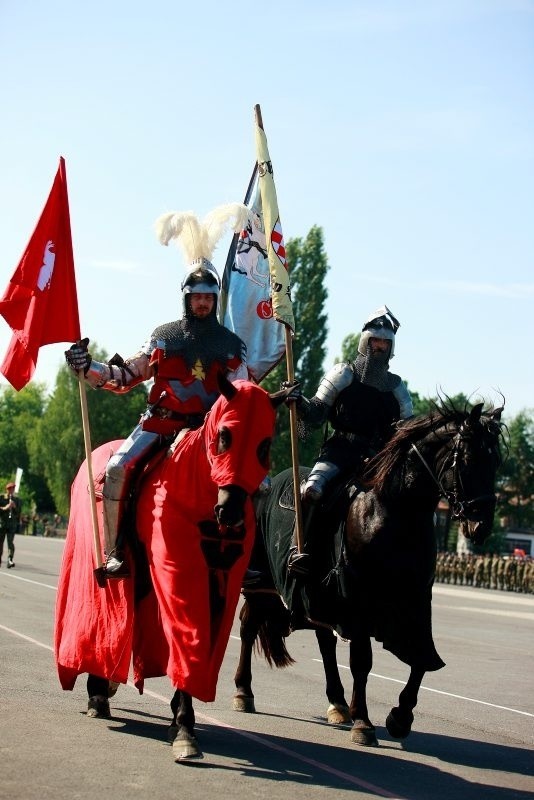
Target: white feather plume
{"type": "Point", "coordinates": [199, 239]}
{"type": "Point", "coordinates": [232, 216]}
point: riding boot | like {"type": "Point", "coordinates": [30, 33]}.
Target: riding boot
{"type": "Point", "coordinates": [299, 562]}
{"type": "Point", "coordinates": [115, 566]}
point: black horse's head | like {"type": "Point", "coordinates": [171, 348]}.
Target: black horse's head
{"type": "Point", "coordinates": [475, 460]}
{"type": "Point", "coordinates": [449, 453]}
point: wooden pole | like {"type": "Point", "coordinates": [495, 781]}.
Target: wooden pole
{"type": "Point", "coordinates": [292, 411]}
{"type": "Point", "coordinates": [99, 570]}
{"type": "Point", "coordinates": [294, 444]}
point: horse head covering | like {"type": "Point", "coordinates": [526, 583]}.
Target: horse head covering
{"type": "Point", "coordinates": [198, 239]}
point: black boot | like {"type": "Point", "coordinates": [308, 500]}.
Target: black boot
{"type": "Point", "coordinates": [115, 565]}
{"type": "Point", "coordinates": [251, 578]}
{"type": "Point", "coordinates": [299, 563]}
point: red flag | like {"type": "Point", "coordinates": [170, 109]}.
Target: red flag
{"type": "Point", "coordinates": [40, 303]}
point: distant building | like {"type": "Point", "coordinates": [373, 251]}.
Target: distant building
{"type": "Point", "coordinates": [520, 539]}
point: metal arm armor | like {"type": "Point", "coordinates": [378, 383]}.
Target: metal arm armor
{"type": "Point", "coordinates": [315, 411]}
{"type": "Point", "coordinates": [336, 379]}
{"type": "Point", "coordinates": [403, 397]}
{"type": "Point", "coordinates": [121, 377]}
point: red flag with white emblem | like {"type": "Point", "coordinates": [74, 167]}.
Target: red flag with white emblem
{"type": "Point", "coordinates": [40, 303]}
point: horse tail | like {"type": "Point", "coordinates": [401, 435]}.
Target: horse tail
{"type": "Point", "coordinates": [272, 624]}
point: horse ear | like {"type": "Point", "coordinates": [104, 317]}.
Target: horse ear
{"type": "Point", "coordinates": [227, 387]}
{"type": "Point", "coordinates": [476, 413]}
{"type": "Point", "coordinates": [496, 415]}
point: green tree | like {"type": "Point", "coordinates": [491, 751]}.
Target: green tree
{"type": "Point", "coordinates": [425, 405]}
{"type": "Point", "coordinates": [349, 347]}
{"type": "Point", "coordinates": [516, 481]}
{"type": "Point", "coordinates": [58, 446]}
{"type": "Point", "coordinates": [308, 266]}
{"type": "Point", "coordinates": [20, 412]}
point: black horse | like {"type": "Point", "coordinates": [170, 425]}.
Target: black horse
{"type": "Point", "coordinates": [374, 560]}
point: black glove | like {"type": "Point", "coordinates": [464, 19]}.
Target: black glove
{"type": "Point", "coordinates": [78, 357]}
{"type": "Point", "coordinates": [293, 392]}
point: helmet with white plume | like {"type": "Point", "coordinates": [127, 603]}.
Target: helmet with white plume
{"type": "Point", "coordinates": [197, 240]}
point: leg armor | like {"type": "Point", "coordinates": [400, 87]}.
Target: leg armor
{"type": "Point", "coordinates": [318, 479]}
{"type": "Point", "coordinates": [120, 470]}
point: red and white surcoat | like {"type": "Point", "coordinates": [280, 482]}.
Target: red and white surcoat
{"type": "Point", "coordinates": [183, 358]}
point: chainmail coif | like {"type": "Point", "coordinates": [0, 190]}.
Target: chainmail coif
{"type": "Point", "coordinates": [204, 339]}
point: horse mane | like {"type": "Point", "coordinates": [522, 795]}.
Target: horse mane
{"type": "Point", "coordinates": [444, 414]}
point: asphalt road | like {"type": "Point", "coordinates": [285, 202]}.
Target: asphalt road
{"type": "Point", "coordinates": [473, 734]}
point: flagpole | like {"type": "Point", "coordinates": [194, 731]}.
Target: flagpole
{"type": "Point", "coordinates": [299, 539]}
{"type": "Point", "coordinates": [99, 571]}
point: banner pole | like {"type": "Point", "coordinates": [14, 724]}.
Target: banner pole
{"type": "Point", "coordinates": [99, 571]}
{"type": "Point", "coordinates": [299, 539]}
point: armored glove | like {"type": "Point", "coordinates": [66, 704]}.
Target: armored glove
{"type": "Point", "coordinates": [78, 357]}
{"type": "Point", "coordinates": [293, 392]}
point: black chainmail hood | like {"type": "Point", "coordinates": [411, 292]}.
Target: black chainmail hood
{"type": "Point", "coordinates": [204, 339]}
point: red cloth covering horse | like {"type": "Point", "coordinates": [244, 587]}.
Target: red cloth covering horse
{"type": "Point", "coordinates": [181, 627]}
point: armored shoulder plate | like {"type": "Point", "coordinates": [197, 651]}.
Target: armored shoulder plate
{"type": "Point", "coordinates": [403, 397]}
{"type": "Point", "coordinates": [336, 379]}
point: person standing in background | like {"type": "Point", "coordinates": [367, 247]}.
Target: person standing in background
{"type": "Point", "coordinates": [10, 509]}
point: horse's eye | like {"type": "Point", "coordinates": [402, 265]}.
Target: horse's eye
{"type": "Point", "coordinates": [263, 452]}
{"type": "Point", "coordinates": [224, 440]}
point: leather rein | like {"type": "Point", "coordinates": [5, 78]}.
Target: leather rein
{"type": "Point", "coordinates": [459, 506]}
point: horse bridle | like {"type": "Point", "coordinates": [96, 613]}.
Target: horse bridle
{"type": "Point", "coordinates": [459, 507]}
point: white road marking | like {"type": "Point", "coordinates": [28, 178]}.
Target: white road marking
{"type": "Point", "coordinates": [439, 691]}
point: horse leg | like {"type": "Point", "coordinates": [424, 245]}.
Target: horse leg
{"type": "Point", "coordinates": [244, 697]}
{"type": "Point", "coordinates": [361, 660]}
{"type": "Point", "coordinates": [181, 732]}
{"type": "Point", "coordinates": [98, 690]}
{"type": "Point", "coordinates": [399, 720]}
{"type": "Point", "coordinates": [338, 710]}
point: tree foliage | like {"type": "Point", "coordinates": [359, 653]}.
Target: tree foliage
{"type": "Point", "coordinates": [349, 347]}
{"type": "Point", "coordinates": [308, 266]}
{"type": "Point", "coordinates": [20, 412]}
{"type": "Point", "coordinates": [516, 483]}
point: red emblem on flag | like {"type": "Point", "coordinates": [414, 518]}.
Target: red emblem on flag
{"type": "Point", "coordinates": [264, 309]}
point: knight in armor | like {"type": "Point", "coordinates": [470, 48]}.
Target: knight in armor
{"type": "Point", "coordinates": [182, 357]}
{"type": "Point", "coordinates": [361, 400]}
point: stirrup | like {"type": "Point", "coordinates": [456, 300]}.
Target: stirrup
{"type": "Point", "coordinates": [251, 578]}
{"type": "Point", "coordinates": [298, 564]}
{"type": "Point", "coordinates": [116, 567]}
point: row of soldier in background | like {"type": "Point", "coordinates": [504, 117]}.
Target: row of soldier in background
{"type": "Point", "coordinates": [509, 573]}
{"type": "Point", "coordinates": [41, 525]}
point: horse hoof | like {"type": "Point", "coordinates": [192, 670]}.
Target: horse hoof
{"type": "Point", "coordinates": [338, 714]}
{"type": "Point", "coordinates": [98, 707]}
{"type": "Point", "coordinates": [395, 727]}
{"type": "Point", "coordinates": [364, 734]}
{"type": "Point", "coordinates": [245, 704]}
{"type": "Point", "coordinates": [186, 748]}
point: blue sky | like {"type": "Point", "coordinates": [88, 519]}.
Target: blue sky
{"type": "Point", "coordinates": [404, 129]}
